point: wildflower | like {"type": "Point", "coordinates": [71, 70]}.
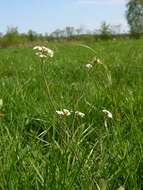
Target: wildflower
{"type": "Point", "coordinates": [66, 112]}
{"type": "Point", "coordinates": [42, 56]}
{"type": "Point", "coordinates": [96, 61]}
{"type": "Point", "coordinates": [88, 66]}
{"type": "Point", "coordinates": [1, 103]}
{"type": "Point", "coordinates": [43, 52]}
{"type": "Point", "coordinates": [49, 51]}
{"type": "Point", "coordinates": [39, 48]}
{"type": "Point", "coordinates": [63, 112]}
{"type": "Point", "coordinates": [107, 114]}
{"type": "Point", "coordinates": [80, 114]}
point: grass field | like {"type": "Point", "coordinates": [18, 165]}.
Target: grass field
{"type": "Point", "coordinates": [40, 150]}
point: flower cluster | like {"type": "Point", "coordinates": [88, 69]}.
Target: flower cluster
{"type": "Point", "coordinates": [43, 52]}
{"type": "Point", "coordinates": [93, 62]}
{"type": "Point", "coordinates": [66, 112]}
{"type": "Point", "coordinates": [79, 114]}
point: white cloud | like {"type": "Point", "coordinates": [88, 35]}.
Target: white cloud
{"type": "Point", "coordinates": [102, 2]}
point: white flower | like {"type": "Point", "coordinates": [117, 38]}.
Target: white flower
{"type": "Point", "coordinates": [99, 61]}
{"type": "Point", "coordinates": [39, 48]}
{"type": "Point", "coordinates": [37, 53]}
{"type": "Point", "coordinates": [79, 114]}
{"type": "Point", "coordinates": [60, 113]}
{"type": "Point", "coordinates": [44, 48]}
{"type": "Point", "coordinates": [96, 61]}
{"type": "Point", "coordinates": [43, 52]}
{"type": "Point", "coordinates": [88, 66]}
{"type": "Point", "coordinates": [42, 56]}
{"type": "Point", "coordinates": [64, 112]}
{"type": "Point", "coordinates": [1, 103]}
{"type": "Point", "coordinates": [50, 52]}
{"type": "Point", "coordinates": [107, 114]}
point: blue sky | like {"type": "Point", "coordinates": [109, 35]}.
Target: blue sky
{"type": "Point", "coordinates": [47, 15]}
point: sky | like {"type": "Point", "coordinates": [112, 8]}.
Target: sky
{"type": "Point", "coordinates": [44, 16]}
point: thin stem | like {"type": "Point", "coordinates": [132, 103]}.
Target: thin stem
{"type": "Point", "coordinates": [87, 47]}
{"type": "Point", "coordinates": [46, 84]}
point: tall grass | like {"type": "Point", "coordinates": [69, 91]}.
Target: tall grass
{"type": "Point", "coordinates": [40, 150]}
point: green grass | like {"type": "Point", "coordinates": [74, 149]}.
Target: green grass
{"type": "Point", "coordinates": [39, 150]}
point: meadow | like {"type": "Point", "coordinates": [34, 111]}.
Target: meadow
{"type": "Point", "coordinates": [40, 149]}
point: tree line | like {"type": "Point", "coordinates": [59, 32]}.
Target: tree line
{"type": "Point", "coordinates": [134, 15]}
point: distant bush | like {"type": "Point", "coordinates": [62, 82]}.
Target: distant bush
{"type": "Point", "coordinates": [13, 38]}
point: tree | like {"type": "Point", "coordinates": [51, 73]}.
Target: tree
{"type": "Point", "coordinates": [12, 36]}
{"type": "Point", "coordinates": [79, 31]}
{"type": "Point", "coordinates": [58, 33]}
{"type": "Point", "coordinates": [105, 29]}
{"type": "Point", "coordinates": [32, 35]}
{"type": "Point", "coordinates": [12, 31]}
{"type": "Point", "coordinates": [134, 16]}
{"type": "Point", "coordinates": [70, 31]}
